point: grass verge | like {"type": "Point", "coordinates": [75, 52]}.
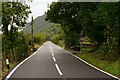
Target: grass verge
{"type": "Point", "coordinates": [110, 67]}
{"type": "Point", "coordinates": [6, 70]}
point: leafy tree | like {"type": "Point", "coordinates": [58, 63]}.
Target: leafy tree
{"type": "Point", "coordinates": [14, 13]}
{"type": "Point", "coordinates": [56, 39]}
{"type": "Point", "coordinates": [65, 14]}
{"type": "Point", "coordinates": [39, 38]}
{"type": "Point", "coordinates": [99, 21]}
{"type": "Point", "coordinates": [108, 16]}
{"type": "Point", "coordinates": [14, 16]}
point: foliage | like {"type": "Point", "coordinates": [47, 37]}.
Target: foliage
{"type": "Point", "coordinates": [21, 47]}
{"type": "Point", "coordinates": [98, 21]}
{"type": "Point", "coordinates": [56, 39]}
{"type": "Point", "coordinates": [44, 27]}
{"type": "Point", "coordinates": [14, 13]}
{"type": "Point", "coordinates": [68, 11]}
{"type": "Point", "coordinates": [14, 16]}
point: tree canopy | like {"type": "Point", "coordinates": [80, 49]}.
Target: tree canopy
{"type": "Point", "coordinates": [99, 21]}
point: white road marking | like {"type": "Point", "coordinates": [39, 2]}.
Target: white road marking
{"type": "Point", "coordinates": [54, 59]}
{"type": "Point", "coordinates": [10, 74]}
{"type": "Point", "coordinates": [58, 69]}
{"type": "Point", "coordinates": [53, 55]}
{"type": "Point", "coordinates": [59, 47]}
{"type": "Point", "coordinates": [51, 49]}
{"type": "Point", "coordinates": [93, 66]}
{"type": "Point", "coordinates": [89, 64]}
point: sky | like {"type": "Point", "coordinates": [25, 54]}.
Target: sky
{"type": "Point", "coordinates": [38, 7]}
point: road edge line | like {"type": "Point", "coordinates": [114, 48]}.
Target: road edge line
{"type": "Point", "coordinates": [10, 74]}
{"type": "Point", "coordinates": [93, 66]}
{"type": "Point", "coordinates": [88, 63]}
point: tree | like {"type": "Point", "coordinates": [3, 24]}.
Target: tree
{"type": "Point", "coordinates": [108, 18]}
{"type": "Point", "coordinates": [99, 21]}
{"type": "Point", "coordinates": [14, 16]}
{"type": "Point", "coordinates": [66, 15]}
{"type": "Point", "coordinates": [56, 38]}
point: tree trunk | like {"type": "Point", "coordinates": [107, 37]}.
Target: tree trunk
{"type": "Point", "coordinates": [14, 54]}
{"type": "Point", "coordinates": [11, 55]}
{"type": "Point", "coordinates": [108, 39]}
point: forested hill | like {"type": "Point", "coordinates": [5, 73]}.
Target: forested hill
{"type": "Point", "coordinates": [40, 25]}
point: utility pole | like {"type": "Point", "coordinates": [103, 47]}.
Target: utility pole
{"type": "Point", "coordinates": [32, 32]}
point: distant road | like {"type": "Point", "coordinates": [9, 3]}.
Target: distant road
{"type": "Point", "coordinates": [51, 62]}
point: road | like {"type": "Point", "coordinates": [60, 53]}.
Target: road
{"type": "Point", "coordinates": [51, 62]}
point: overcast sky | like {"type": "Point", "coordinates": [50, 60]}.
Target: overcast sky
{"type": "Point", "coordinates": [38, 7]}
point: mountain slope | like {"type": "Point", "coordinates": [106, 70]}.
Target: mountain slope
{"type": "Point", "coordinates": [40, 25]}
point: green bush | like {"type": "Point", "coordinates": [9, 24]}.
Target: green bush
{"type": "Point", "coordinates": [56, 39]}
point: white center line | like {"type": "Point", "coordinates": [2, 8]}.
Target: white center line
{"type": "Point", "coordinates": [54, 59]}
{"type": "Point", "coordinates": [53, 55]}
{"type": "Point", "coordinates": [51, 49]}
{"type": "Point", "coordinates": [58, 69]}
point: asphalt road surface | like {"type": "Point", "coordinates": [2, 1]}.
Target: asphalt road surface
{"type": "Point", "coordinates": [53, 63]}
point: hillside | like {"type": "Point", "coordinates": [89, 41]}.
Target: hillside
{"type": "Point", "coordinates": [40, 25]}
